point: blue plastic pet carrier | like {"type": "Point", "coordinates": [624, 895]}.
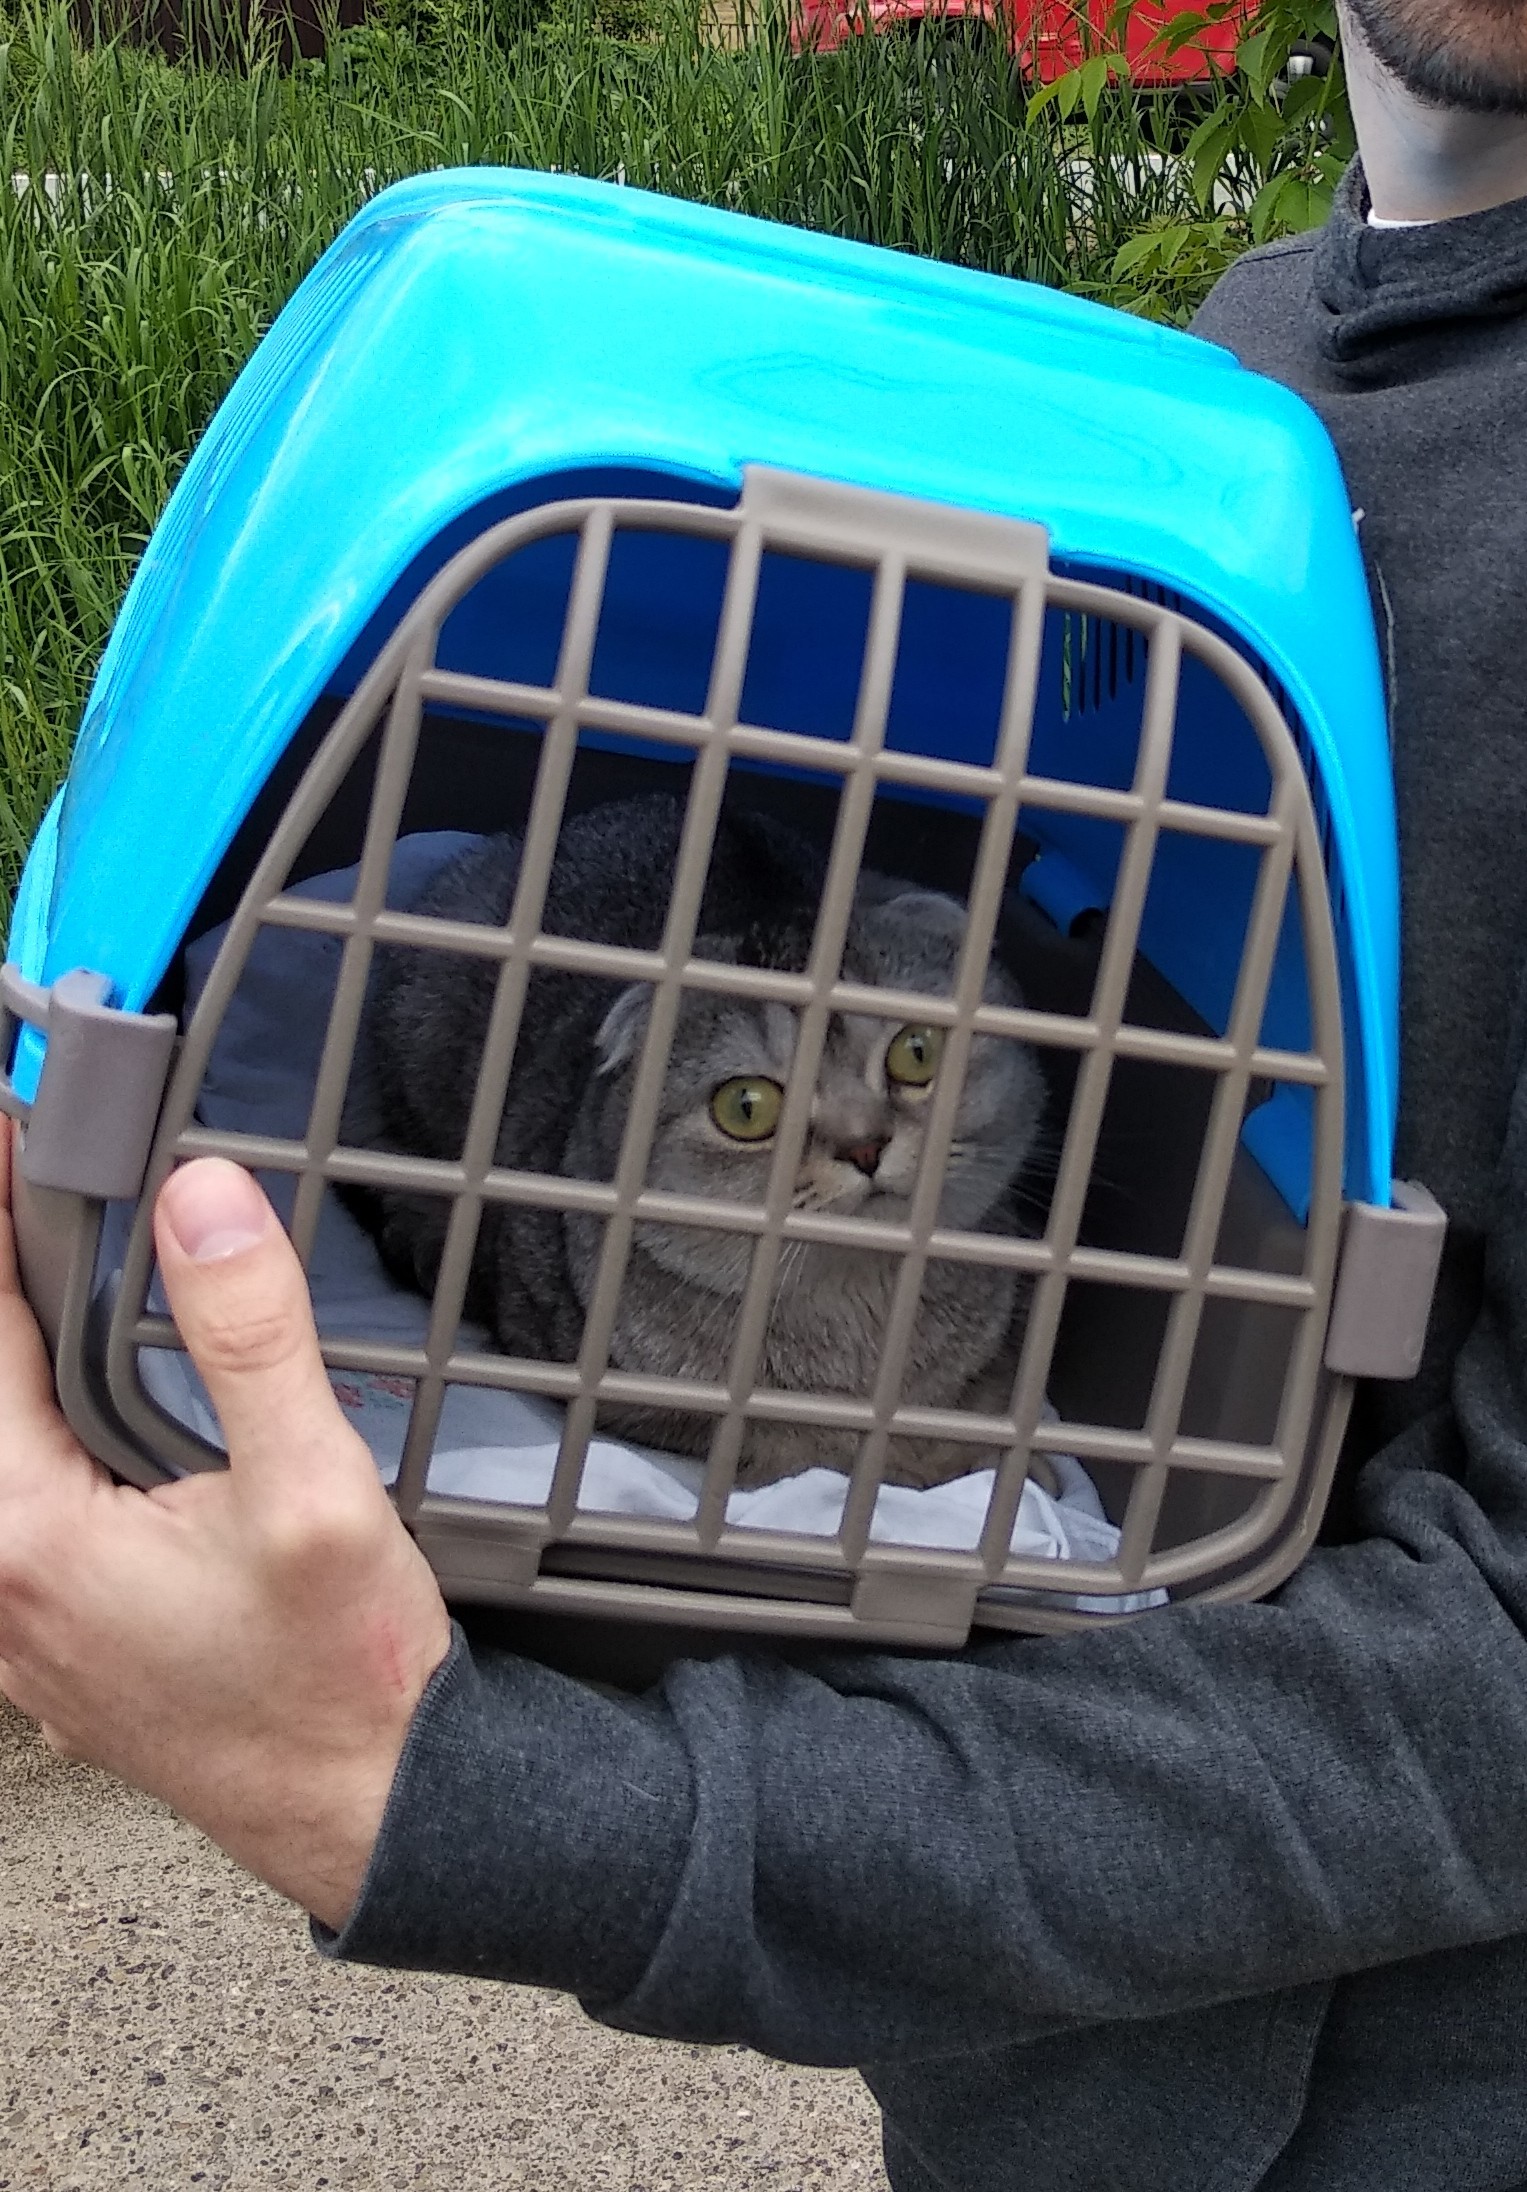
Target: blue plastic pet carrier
{"type": "Point", "coordinates": [542, 495]}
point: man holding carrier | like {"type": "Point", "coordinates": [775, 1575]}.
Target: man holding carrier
{"type": "Point", "coordinates": [1230, 1897]}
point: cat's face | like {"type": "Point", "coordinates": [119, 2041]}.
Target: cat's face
{"type": "Point", "coordinates": [730, 1067]}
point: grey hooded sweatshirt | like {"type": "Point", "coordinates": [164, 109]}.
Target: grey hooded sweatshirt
{"type": "Point", "coordinates": [1231, 1896]}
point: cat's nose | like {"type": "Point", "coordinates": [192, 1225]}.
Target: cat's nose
{"type": "Point", "coordinates": [866, 1155]}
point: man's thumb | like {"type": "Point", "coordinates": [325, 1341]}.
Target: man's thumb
{"type": "Point", "coordinates": [238, 1294]}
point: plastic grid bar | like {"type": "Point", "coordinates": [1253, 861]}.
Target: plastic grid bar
{"type": "Point", "coordinates": [894, 541]}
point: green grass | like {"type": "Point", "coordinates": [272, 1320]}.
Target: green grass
{"type": "Point", "coordinates": [166, 212]}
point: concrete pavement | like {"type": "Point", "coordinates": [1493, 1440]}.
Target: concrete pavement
{"type": "Point", "coordinates": [164, 2024]}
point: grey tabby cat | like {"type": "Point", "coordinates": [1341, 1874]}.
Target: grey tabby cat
{"type": "Point", "coordinates": [579, 1046]}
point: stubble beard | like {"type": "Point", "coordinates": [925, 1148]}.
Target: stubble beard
{"type": "Point", "coordinates": [1470, 54]}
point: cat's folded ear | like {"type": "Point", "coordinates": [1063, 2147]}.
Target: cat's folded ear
{"type": "Point", "coordinates": [922, 914]}
{"type": "Point", "coordinates": [621, 1031]}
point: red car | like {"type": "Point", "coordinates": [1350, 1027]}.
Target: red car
{"type": "Point", "coordinates": [1048, 37]}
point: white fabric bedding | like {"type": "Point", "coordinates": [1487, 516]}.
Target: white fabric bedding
{"type": "Point", "coordinates": [494, 1445]}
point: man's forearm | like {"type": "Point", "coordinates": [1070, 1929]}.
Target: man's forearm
{"type": "Point", "coordinates": [882, 1857]}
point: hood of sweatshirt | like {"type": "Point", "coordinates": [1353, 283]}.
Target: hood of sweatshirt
{"type": "Point", "coordinates": [1375, 288]}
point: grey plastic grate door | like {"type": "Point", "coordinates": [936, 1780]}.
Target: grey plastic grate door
{"type": "Point", "coordinates": [1202, 1506]}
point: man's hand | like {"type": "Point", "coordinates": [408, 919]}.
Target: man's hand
{"type": "Point", "coordinates": [250, 1644]}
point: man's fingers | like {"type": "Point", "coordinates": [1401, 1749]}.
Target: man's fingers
{"type": "Point", "coordinates": [26, 1376]}
{"type": "Point", "coordinates": [240, 1299]}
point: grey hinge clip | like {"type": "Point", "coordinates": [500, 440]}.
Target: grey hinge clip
{"type": "Point", "coordinates": [1384, 1285]}
{"type": "Point", "coordinates": [90, 1127]}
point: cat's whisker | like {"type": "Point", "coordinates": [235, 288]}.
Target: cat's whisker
{"type": "Point", "coordinates": [710, 1338]}
{"type": "Point", "coordinates": [791, 1270]}
{"type": "Point", "coordinates": [1031, 1192]}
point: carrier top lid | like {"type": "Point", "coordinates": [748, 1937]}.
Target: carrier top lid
{"type": "Point", "coordinates": [477, 331]}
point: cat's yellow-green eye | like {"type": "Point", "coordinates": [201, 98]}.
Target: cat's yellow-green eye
{"type": "Point", "coordinates": [912, 1056]}
{"type": "Point", "coordinates": [748, 1109]}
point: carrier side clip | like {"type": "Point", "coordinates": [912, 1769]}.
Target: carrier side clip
{"type": "Point", "coordinates": [91, 1125]}
{"type": "Point", "coordinates": [1384, 1285]}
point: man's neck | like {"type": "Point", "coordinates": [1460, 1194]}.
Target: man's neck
{"type": "Point", "coordinates": [1424, 162]}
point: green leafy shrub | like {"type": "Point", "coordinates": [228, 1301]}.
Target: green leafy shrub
{"type": "Point", "coordinates": [158, 216]}
{"type": "Point", "coordinates": [1269, 142]}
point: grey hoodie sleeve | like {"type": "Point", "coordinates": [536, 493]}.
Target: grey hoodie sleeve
{"type": "Point", "coordinates": [877, 1857]}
